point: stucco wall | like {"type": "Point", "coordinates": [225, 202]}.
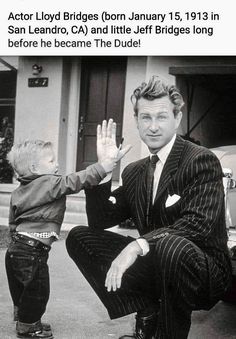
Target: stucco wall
{"type": "Point", "coordinates": [136, 73]}
{"type": "Point", "coordinates": [38, 109]}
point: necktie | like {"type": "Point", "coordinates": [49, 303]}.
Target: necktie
{"type": "Point", "coordinates": [150, 177]}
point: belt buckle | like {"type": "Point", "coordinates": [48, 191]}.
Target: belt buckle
{"type": "Point", "coordinates": [31, 242]}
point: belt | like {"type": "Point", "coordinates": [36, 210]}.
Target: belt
{"type": "Point", "coordinates": [30, 241]}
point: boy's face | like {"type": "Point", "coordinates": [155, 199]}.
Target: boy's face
{"type": "Point", "coordinates": [46, 163]}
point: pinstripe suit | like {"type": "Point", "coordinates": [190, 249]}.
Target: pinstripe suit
{"type": "Point", "coordinates": [187, 266]}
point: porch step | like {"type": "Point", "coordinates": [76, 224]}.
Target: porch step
{"type": "Point", "coordinates": [5, 199]}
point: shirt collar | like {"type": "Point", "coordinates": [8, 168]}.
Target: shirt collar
{"type": "Point", "coordinates": [165, 150]}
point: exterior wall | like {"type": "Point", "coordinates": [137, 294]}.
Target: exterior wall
{"type": "Point", "coordinates": [73, 115]}
{"type": "Point", "coordinates": [136, 73]}
{"type": "Point", "coordinates": [38, 109]}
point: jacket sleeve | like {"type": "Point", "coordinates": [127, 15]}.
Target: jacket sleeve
{"type": "Point", "coordinates": [105, 208]}
{"type": "Point", "coordinates": [202, 202]}
{"type": "Point", "coordinates": [75, 182]}
{"type": "Point", "coordinates": [11, 218]}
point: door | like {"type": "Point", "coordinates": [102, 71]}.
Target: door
{"type": "Point", "coordinates": [101, 97]}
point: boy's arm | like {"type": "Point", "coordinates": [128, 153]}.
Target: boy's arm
{"type": "Point", "coordinates": [11, 218]}
{"type": "Point", "coordinates": [75, 182]}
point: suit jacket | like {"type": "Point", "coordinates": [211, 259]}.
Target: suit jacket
{"type": "Point", "coordinates": [191, 172]}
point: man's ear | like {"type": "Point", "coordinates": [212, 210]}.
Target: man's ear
{"type": "Point", "coordinates": [33, 168]}
{"type": "Point", "coordinates": [178, 119]}
{"type": "Point", "coordinates": [136, 120]}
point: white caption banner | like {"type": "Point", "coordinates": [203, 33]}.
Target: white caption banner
{"type": "Point", "coordinates": [102, 28]}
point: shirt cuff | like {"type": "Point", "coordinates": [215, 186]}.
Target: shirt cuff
{"type": "Point", "coordinates": [144, 245]}
{"type": "Point", "coordinates": [106, 179]}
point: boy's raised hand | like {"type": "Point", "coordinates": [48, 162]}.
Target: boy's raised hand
{"type": "Point", "coordinates": [107, 152]}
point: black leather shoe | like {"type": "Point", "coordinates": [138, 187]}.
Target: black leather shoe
{"type": "Point", "coordinates": [45, 326]}
{"type": "Point", "coordinates": [145, 327]}
{"type": "Point", "coordinates": [37, 326]}
{"type": "Point", "coordinates": [35, 330]}
{"type": "Point", "coordinates": [35, 334]}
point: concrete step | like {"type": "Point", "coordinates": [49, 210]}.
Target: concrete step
{"type": "Point", "coordinates": [4, 211]}
{"type": "Point", "coordinates": [75, 204]}
{"type": "Point", "coordinates": [4, 198]}
{"type": "Point", "coordinates": [3, 221]}
{"type": "Point", "coordinates": [75, 218]}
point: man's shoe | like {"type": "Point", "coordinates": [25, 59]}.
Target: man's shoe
{"type": "Point", "coordinates": [145, 327]}
{"type": "Point", "coordinates": [35, 334]}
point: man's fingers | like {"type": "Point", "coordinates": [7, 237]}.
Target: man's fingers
{"type": "Point", "coordinates": [113, 279]}
{"type": "Point", "coordinates": [108, 284]}
{"type": "Point", "coordinates": [104, 129]}
{"type": "Point", "coordinates": [113, 132]}
{"type": "Point", "coordinates": [113, 283]}
{"type": "Point", "coordinates": [99, 132]}
{"type": "Point", "coordinates": [118, 283]}
{"type": "Point", "coordinates": [109, 128]}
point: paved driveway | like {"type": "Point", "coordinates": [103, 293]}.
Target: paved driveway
{"type": "Point", "coordinates": [75, 312]}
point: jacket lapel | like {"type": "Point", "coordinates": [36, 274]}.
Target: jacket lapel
{"type": "Point", "coordinates": [170, 167]}
{"type": "Point", "coordinates": [141, 193]}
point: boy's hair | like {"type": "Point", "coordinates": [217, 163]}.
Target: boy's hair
{"type": "Point", "coordinates": [157, 88]}
{"type": "Point", "coordinates": [26, 153]}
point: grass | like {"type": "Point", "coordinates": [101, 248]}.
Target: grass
{"type": "Point", "coordinates": [4, 236]}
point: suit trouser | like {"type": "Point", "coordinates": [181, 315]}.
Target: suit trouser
{"type": "Point", "coordinates": [175, 272]}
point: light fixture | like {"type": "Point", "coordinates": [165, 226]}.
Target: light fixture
{"type": "Point", "coordinates": [36, 69]}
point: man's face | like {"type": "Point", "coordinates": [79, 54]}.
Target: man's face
{"type": "Point", "coordinates": [156, 122]}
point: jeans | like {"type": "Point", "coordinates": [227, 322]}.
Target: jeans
{"type": "Point", "coordinates": [28, 278]}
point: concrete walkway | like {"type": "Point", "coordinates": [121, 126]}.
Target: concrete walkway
{"type": "Point", "coordinates": [75, 312]}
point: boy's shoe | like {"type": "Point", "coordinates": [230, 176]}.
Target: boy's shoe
{"type": "Point", "coordinates": [35, 334]}
{"type": "Point", "coordinates": [22, 327]}
{"type": "Point", "coordinates": [39, 324]}
{"type": "Point", "coordinates": [46, 327]}
{"type": "Point", "coordinates": [35, 330]}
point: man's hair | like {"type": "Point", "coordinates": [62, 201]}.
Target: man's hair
{"type": "Point", "coordinates": [24, 154]}
{"type": "Point", "coordinates": [156, 88]}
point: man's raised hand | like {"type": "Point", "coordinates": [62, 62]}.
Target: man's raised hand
{"type": "Point", "coordinates": [107, 152]}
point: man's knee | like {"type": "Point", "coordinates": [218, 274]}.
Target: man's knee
{"type": "Point", "coordinates": [172, 252]}
{"type": "Point", "coordinates": [74, 239]}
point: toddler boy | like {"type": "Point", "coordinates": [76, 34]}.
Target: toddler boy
{"type": "Point", "coordinates": [37, 209]}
